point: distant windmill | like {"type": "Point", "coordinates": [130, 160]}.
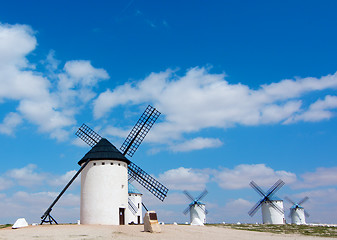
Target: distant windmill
{"type": "Point", "coordinates": [297, 212]}
{"type": "Point", "coordinates": [197, 209]}
{"type": "Point", "coordinates": [104, 182]}
{"type": "Point", "coordinates": [135, 205]}
{"type": "Point", "coordinates": [272, 207]}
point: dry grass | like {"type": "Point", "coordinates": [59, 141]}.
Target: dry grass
{"type": "Point", "coordinates": [317, 231]}
{"type": "Point", "coordinates": [5, 225]}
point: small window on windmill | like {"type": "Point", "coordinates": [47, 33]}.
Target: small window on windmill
{"type": "Point", "coordinates": [94, 164]}
{"type": "Point", "coordinates": [111, 163]}
{"type": "Point", "coordinates": [119, 164]}
{"type": "Point", "coordinates": [153, 216]}
{"type": "Point", "coordinates": [103, 163]}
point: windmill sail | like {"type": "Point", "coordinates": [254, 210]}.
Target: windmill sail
{"type": "Point", "coordinates": [195, 201]}
{"type": "Point", "coordinates": [298, 205]}
{"type": "Point", "coordinates": [139, 131]}
{"type": "Point", "coordinates": [266, 197]}
{"type": "Point", "coordinates": [129, 147]}
{"type": "Point", "coordinates": [88, 135]}
{"type": "Point", "coordinates": [147, 181]}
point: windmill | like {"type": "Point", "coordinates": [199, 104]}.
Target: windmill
{"type": "Point", "coordinates": [297, 212]}
{"type": "Point", "coordinates": [106, 172]}
{"type": "Point", "coordinates": [135, 205]}
{"type": "Point", "coordinates": [272, 207]}
{"type": "Point", "coordinates": [196, 208]}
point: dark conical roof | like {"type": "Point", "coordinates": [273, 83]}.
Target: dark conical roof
{"type": "Point", "coordinates": [104, 150]}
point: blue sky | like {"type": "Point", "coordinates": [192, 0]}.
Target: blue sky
{"type": "Point", "coordinates": [247, 91]}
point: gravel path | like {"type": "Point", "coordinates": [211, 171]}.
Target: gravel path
{"type": "Point", "coordinates": [169, 232]}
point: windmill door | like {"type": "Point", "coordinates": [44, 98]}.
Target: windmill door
{"type": "Point", "coordinates": [121, 216]}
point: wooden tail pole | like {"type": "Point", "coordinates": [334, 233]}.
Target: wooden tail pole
{"type": "Point", "coordinates": [47, 212]}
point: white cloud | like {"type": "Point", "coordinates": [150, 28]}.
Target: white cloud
{"type": "Point", "coordinates": [239, 203]}
{"type": "Point", "coordinates": [48, 99]}
{"type": "Point", "coordinates": [318, 111]}
{"type": "Point", "coordinates": [16, 41]}
{"type": "Point", "coordinates": [26, 176]}
{"type": "Point", "coordinates": [10, 122]}
{"type": "Point", "coordinates": [184, 179]}
{"type": "Point", "coordinates": [321, 196]}
{"type": "Point", "coordinates": [83, 73]}
{"type": "Point", "coordinates": [200, 99]}
{"type": "Point", "coordinates": [33, 205]}
{"type": "Point", "coordinates": [197, 144]}
{"type": "Point", "coordinates": [238, 208]}
{"type": "Point", "coordinates": [113, 131]}
{"type": "Point", "coordinates": [175, 199]}
{"type": "Point", "coordinates": [5, 183]}
{"type": "Point", "coordinates": [43, 114]}
{"type": "Point", "coordinates": [191, 102]}
{"type": "Point", "coordinates": [145, 90]}
{"type": "Point", "coordinates": [321, 177]}
{"type": "Point", "coordinates": [231, 211]}
{"type": "Point", "coordinates": [51, 62]}
{"type": "Point", "coordinates": [289, 88]}
{"type": "Point", "coordinates": [243, 174]}
{"type": "Point", "coordinates": [64, 179]}
{"type": "Point", "coordinates": [77, 81]}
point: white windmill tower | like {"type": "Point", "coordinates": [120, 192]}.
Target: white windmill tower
{"type": "Point", "coordinates": [106, 172]}
{"type": "Point", "coordinates": [297, 212]}
{"type": "Point", "coordinates": [272, 207]}
{"type": "Point", "coordinates": [135, 205]}
{"type": "Point", "coordinates": [104, 185]}
{"type": "Point", "coordinates": [197, 209]}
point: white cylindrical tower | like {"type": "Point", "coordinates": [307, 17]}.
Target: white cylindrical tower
{"type": "Point", "coordinates": [198, 214]}
{"type": "Point", "coordinates": [270, 215]}
{"type": "Point", "coordinates": [297, 215]}
{"type": "Point", "coordinates": [135, 210]}
{"type": "Point", "coordinates": [104, 186]}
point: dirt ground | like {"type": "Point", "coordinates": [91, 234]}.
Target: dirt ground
{"type": "Point", "coordinates": [168, 232]}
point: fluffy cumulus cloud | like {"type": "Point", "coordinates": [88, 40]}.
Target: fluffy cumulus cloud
{"type": "Point", "coordinates": [16, 41]}
{"type": "Point", "coordinates": [24, 200]}
{"type": "Point", "coordinates": [242, 175]}
{"type": "Point", "coordinates": [5, 183]}
{"type": "Point", "coordinates": [196, 144]}
{"type": "Point", "coordinates": [10, 122]}
{"type": "Point", "coordinates": [26, 176]}
{"type": "Point", "coordinates": [321, 177]}
{"type": "Point", "coordinates": [184, 179]}
{"type": "Point", "coordinates": [33, 205]}
{"type": "Point", "coordinates": [29, 176]}
{"type": "Point", "coordinates": [60, 181]}
{"type": "Point", "coordinates": [318, 111]}
{"type": "Point", "coordinates": [200, 99]}
{"type": "Point", "coordinates": [50, 99]}
{"type": "Point", "coordinates": [237, 210]}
